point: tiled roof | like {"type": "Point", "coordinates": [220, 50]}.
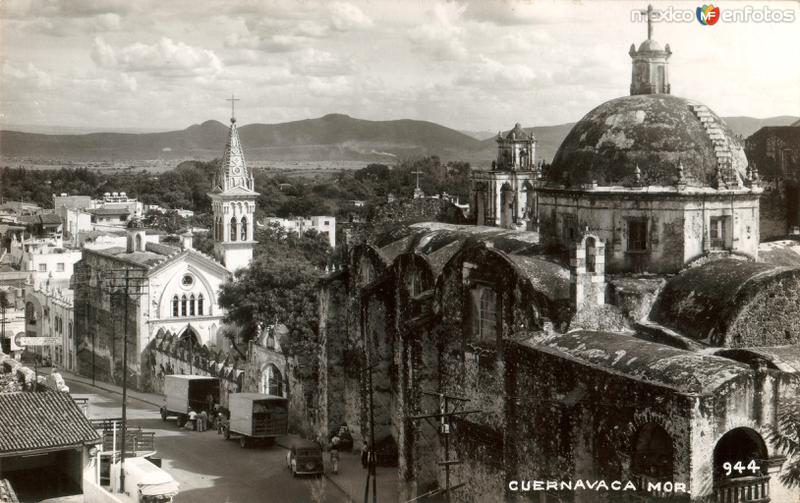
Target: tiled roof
{"type": "Point", "coordinates": [109, 211]}
{"type": "Point", "coordinates": [33, 421]}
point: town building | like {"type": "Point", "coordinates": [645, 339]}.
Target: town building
{"type": "Point", "coordinates": [164, 297]}
{"type": "Point", "coordinates": [49, 312]}
{"type": "Point", "coordinates": [642, 334]}
{"type": "Point", "coordinates": [503, 195]}
{"type": "Point", "coordinates": [323, 225]}
{"type": "Point", "coordinates": [47, 449]}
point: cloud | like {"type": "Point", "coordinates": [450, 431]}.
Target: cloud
{"type": "Point", "coordinates": [346, 17]}
{"type": "Point", "coordinates": [442, 37]}
{"type": "Point", "coordinates": [21, 9]}
{"type": "Point", "coordinates": [320, 63]}
{"type": "Point", "coordinates": [490, 74]}
{"type": "Point", "coordinates": [519, 12]}
{"type": "Point", "coordinates": [164, 58]}
{"type": "Point", "coordinates": [28, 76]}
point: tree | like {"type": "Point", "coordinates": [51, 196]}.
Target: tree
{"type": "Point", "coordinates": [785, 437]}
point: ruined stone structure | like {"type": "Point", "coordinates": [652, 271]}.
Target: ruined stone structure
{"type": "Point", "coordinates": [503, 195]}
{"type": "Point", "coordinates": [635, 337]}
{"type": "Point", "coordinates": [775, 151]}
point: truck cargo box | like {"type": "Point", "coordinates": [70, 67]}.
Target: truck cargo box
{"type": "Point", "coordinates": [189, 392]}
{"type": "Point", "coordinates": [258, 415]}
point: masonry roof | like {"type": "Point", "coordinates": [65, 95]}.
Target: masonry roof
{"type": "Point", "coordinates": [109, 211]}
{"type": "Point", "coordinates": [41, 218]}
{"type": "Point", "coordinates": [46, 420]}
{"type": "Point", "coordinates": [781, 253]}
{"type": "Point", "coordinates": [679, 369]}
{"type": "Point", "coordinates": [655, 132]}
{"type": "Point", "coordinates": [704, 300]}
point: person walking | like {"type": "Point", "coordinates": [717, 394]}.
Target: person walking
{"type": "Point", "coordinates": [364, 454]}
{"type": "Point", "coordinates": [335, 454]}
{"type": "Point", "coordinates": [193, 419]}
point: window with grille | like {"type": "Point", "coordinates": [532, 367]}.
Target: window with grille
{"type": "Point", "coordinates": [718, 232]}
{"type": "Point", "coordinates": [487, 315]}
{"type": "Point", "coordinates": [637, 235]}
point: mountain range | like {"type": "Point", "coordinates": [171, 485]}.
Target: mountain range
{"type": "Point", "coordinates": [331, 137]}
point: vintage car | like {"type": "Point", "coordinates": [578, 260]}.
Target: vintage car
{"type": "Point", "coordinates": [305, 458]}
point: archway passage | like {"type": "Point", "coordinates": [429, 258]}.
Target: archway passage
{"type": "Point", "coordinates": [740, 467]}
{"type": "Point", "coordinates": [653, 453]}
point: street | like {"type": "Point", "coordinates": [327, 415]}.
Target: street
{"type": "Point", "coordinates": [208, 468]}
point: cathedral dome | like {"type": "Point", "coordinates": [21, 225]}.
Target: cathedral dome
{"type": "Point", "coordinates": [655, 132]}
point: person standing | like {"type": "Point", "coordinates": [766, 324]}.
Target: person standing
{"type": "Point", "coordinates": [335, 454]}
{"type": "Point", "coordinates": [364, 454]}
{"type": "Point", "coordinates": [193, 419]}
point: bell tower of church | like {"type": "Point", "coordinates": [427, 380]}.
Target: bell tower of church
{"type": "Point", "coordinates": [233, 203]}
{"type": "Point", "coordinates": [650, 63]}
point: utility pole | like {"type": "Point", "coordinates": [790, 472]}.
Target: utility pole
{"type": "Point", "coordinates": [372, 459]}
{"type": "Point", "coordinates": [444, 428]}
{"type": "Point", "coordinates": [131, 286]}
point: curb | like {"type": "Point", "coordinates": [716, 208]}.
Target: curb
{"type": "Point", "coordinates": [97, 385]}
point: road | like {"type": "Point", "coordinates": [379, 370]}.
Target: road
{"type": "Point", "coordinates": [208, 468]}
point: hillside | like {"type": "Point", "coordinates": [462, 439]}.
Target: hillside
{"type": "Point", "coordinates": [334, 137]}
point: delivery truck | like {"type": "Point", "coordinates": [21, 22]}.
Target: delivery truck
{"type": "Point", "coordinates": [256, 416]}
{"type": "Point", "coordinates": [185, 393]}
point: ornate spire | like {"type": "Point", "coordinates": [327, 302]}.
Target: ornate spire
{"type": "Point", "coordinates": [233, 171]}
{"type": "Point", "coordinates": [650, 62]}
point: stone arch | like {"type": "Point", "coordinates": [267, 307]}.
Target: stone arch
{"type": "Point", "coordinates": [233, 234]}
{"type": "Point", "coordinates": [741, 445]}
{"type": "Point", "coordinates": [652, 453]}
{"type": "Point", "coordinates": [138, 243]}
{"type": "Point", "coordinates": [508, 204]}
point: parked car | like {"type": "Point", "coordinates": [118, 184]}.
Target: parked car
{"type": "Point", "coordinates": [305, 458]}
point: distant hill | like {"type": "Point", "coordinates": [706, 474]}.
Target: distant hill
{"type": "Point", "coordinates": [332, 137]}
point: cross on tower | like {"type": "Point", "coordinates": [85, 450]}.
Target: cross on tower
{"type": "Point", "coordinates": [417, 173]}
{"type": "Point", "coordinates": [233, 102]}
{"type": "Point", "coordinates": [649, 13]}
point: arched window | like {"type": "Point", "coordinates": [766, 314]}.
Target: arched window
{"type": "Point", "coordinates": [69, 329]}
{"type": "Point", "coordinates": [590, 255]}
{"type": "Point", "coordinates": [191, 305]}
{"type": "Point", "coordinates": [272, 381]}
{"type": "Point", "coordinates": [244, 229]}
{"type": "Point", "coordinates": [233, 228]}
{"type": "Point", "coordinates": [487, 316]}
{"type": "Point", "coordinates": [138, 240]}
{"type": "Point", "coordinates": [30, 313]}
{"type": "Point", "coordinates": [183, 305]}
{"type": "Point", "coordinates": [200, 305]}
{"type": "Point", "coordinates": [175, 306]}
{"type": "Point", "coordinates": [652, 453]}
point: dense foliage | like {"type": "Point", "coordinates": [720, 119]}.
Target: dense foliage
{"type": "Point", "coordinates": [187, 185]}
{"type": "Point", "coordinates": [281, 284]}
{"type": "Point", "coordinates": [785, 437]}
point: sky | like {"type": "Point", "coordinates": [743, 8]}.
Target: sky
{"type": "Point", "coordinates": [469, 65]}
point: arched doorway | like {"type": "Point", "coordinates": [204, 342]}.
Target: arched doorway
{"type": "Point", "coordinates": [653, 455]}
{"type": "Point", "coordinates": [740, 466]}
{"type": "Point", "coordinates": [271, 381]}
{"type": "Point", "coordinates": [507, 205]}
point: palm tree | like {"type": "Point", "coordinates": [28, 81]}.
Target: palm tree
{"type": "Point", "coordinates": [785, 437]}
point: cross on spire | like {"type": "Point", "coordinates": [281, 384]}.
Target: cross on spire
{"type": "Point", "coordinates": [233, 103]}
{"type": "Point", "coordinates": [417, 173]}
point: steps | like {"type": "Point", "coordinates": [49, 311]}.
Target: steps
{"type": "Point", "coordinates": [722, 149]}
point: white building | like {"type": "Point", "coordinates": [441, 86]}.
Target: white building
{"type": "Point", "coordinates": [49, 312]}
{"type": "Point", "coordinates": [325, 225]}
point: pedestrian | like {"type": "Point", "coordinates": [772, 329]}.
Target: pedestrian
{"type": "Point", "coordinates": [203, 421]}
{"type": "Point", "coordinates": [335, 455]}
{"type": "Point", "coordinates": [193, 419]}
{"type": "Point", "coordinates": [364, 454]}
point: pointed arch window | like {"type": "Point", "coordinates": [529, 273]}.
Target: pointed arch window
{"type": "Point", "coordinates": [138, 240]}
{"type": "Point", "coordinates": [487, 315]}
{"type": "Point", "coordinates": [175, 306]}
{"type": "Point", "coordinates": [183, 305]}
{"type": "Point", "coordinates": [233, 228]}
{"type": "Point", "coordinates": [191, 305]}
{"type": "Point", "coordinates": [272, 381]}
{"type": "Point", "coordinates": [200, 305]}
{"type": "Point", "coordinates": [244, 229]}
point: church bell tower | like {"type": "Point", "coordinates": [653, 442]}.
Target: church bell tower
{"type": "Point", "coordinates": [233, 203]}
{"type": "Point", "coordinates": [650, 63]}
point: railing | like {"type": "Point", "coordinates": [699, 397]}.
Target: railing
{"type": "Point", "coordinates": [742, 490]}
{"type": "Point", "coordinates": [135, 440]}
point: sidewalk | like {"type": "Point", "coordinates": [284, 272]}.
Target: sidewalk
{"type": "Point", "coordinates": [352, 478]}
{"type": "Point", "coordinates": [153, 399]}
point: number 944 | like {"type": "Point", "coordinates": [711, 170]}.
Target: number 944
{"type": "Point", "coordinates": [740, 468]}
